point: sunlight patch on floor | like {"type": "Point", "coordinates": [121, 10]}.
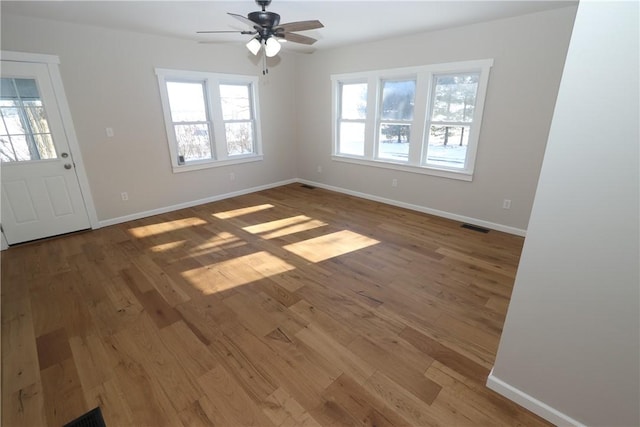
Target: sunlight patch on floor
{"type": "Point", "coordinates": [165, 226]}
{"type": "Point", "coordinates": [221, 242]}
{"type": "Point", "coordinates": [330, 245]}
{"type": "Point", "coordinates": [283, 227]}
{"type": "Point", "coordinates": [223, 238]}
{"type": "Point", "coordinates": [238, 271]}
{"type": "Point", "coordinates": [167, 246]}
{"type": "Point", "coordinates": [242, 211]}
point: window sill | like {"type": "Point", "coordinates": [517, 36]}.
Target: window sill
{"type": "Point", "coordinates": [443, 173]}
{"type": "Point", "coordinates": [208, 164]}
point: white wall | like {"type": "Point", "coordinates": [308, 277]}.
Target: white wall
{"type": "Point", "coordinates": [571, 338]}
{"type": "Point", "coordinates": [110, 82]}
{"type": "Point", "coordinates": [529, 53]}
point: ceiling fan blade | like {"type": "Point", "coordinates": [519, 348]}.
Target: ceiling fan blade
{"type": "Point", "coordinates": [299, 26]}
{"type": "Point", "coordinates": [217, 42]}
{"type": "Point", "coordinates": [246, 20]}
{"type": "Point", "coordinates": [297, 38]}
{"type": "Point", "coordinates": [226, 31]}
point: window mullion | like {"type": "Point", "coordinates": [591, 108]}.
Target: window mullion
{"type": "Point", "coordinates": [420, 109]}
{"type": "Point", "coordinates": [215, 107]}
{"type": "Point", "coordinates": [257, 125]}
{"type": "Point", "coordinates": [428, 117]}
{"type": "Point", "coordinates": [370, 124]}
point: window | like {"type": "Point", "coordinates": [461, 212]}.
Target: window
{"type": "Point", "coordinates": [353, 112]}
{"type": "Point", "coordinates": [423, 119]}
{"type": "Point", "coordinates": [396, 116]}
{"type": "Point", "coordinates": [24, 129]}
{"type": "Point", "coordinates": [211, 119]}
{"type": "Point", "coordinates": [237, 114]}
{"type": "Point", "coordinates": [452, 108]}
{"type": "Point", "coordinates": [191, 120]}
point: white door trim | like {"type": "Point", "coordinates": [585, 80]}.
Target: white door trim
{"type": "Point", "coordinates": [52, 62]}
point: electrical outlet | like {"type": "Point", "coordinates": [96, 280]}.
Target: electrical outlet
{"type": "Point", "coordinates": [319, 169]}
{"type": "Point", "coordinates": [109, 132]}
{"type": "Point", "coordinates": [394, 182]}
{"type": "Point", "coordinates": [232, 176]}
{"type": "Point", "coordinates": [506, 204]}
{"type": "Point", "coordinates": [125, 196]}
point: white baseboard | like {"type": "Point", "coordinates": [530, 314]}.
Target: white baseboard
{"type": "Point", "coordinates": [534, 405]}
{"type": "Point", "coordinates": [423, 209]}
{"type": "Point", "coordinates": [418, 208]}
{"type": "Point", "coordinates": [158, 211]}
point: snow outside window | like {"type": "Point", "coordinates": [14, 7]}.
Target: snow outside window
{"type": "Point", "coordinates": [421, 119]}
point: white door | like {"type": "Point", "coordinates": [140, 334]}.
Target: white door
{"type": "Point", "coordinates": [41, 195]}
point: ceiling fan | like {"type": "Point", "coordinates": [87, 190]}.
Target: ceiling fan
{"type": "Point", "coordinates": [267, 30]}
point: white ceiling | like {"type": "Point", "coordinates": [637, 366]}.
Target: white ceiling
{"type": "Point", "coordinates": [345, 22]}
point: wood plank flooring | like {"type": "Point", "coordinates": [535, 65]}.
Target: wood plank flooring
{"type": "Point", "coordinates": [287, 307]}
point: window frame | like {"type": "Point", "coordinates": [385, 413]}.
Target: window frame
{"type": "Point", "coordinates": [217, 136]}
{"type": "Point", "coordinates": [341, 120]}
{"type": "Point", "coordinates": [251, 119]}
{"type": "Point", "coordinates": [418, 142]}
{"type": "Point", "coordinates": [380, 121]}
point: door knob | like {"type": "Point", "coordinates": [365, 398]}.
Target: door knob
{"type": "Point", "coordinates": [67, 166]}
{"type": "Point", "coordinates": [65, 155]}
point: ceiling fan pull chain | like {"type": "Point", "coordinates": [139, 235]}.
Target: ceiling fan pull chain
{"type": "Point", "coordinates": [265, 70]}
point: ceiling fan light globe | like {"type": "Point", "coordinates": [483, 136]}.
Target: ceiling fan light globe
{"type": "Point", "coordinates": [254, 46]}
{"type": "Point", "coordinates": [271, 47]}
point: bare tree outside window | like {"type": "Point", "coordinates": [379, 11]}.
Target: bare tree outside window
{"type": "Point", "coordinates": [24, 129]}
{"type": "Point", "coordinates": [238, 118]}
{"type": "Point", "coordinates": [396, 116]}
{"type": "Point", "coordinates": [452, 115]}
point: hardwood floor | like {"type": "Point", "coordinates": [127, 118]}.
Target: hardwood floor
{"type": "Point", "coordinates": [288, 307]}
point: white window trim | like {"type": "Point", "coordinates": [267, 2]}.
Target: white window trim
{"type": "Point", "coordinates": [340, 120]}
{"type": "Point", "coordinates": [424, 76]}
{"type": "Point", "coordinates": [212, 81]}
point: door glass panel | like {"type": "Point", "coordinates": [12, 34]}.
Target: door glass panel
{"type": "Point", "coordinates": [37, 120]}
{"type": "Point", "coordinates": [33, 103]}
{"type": "Point", "coordinates": [24, 134]}
{"type": "Point", "coordinates": [11, 118]}
{"type": "Point", "coordinates": [18, 149]}
{"type": "Point", "coordinates": [44, 144]}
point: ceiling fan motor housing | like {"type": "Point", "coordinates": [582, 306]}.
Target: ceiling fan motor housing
{"type": "Point", "coordinates": [265, 19]}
